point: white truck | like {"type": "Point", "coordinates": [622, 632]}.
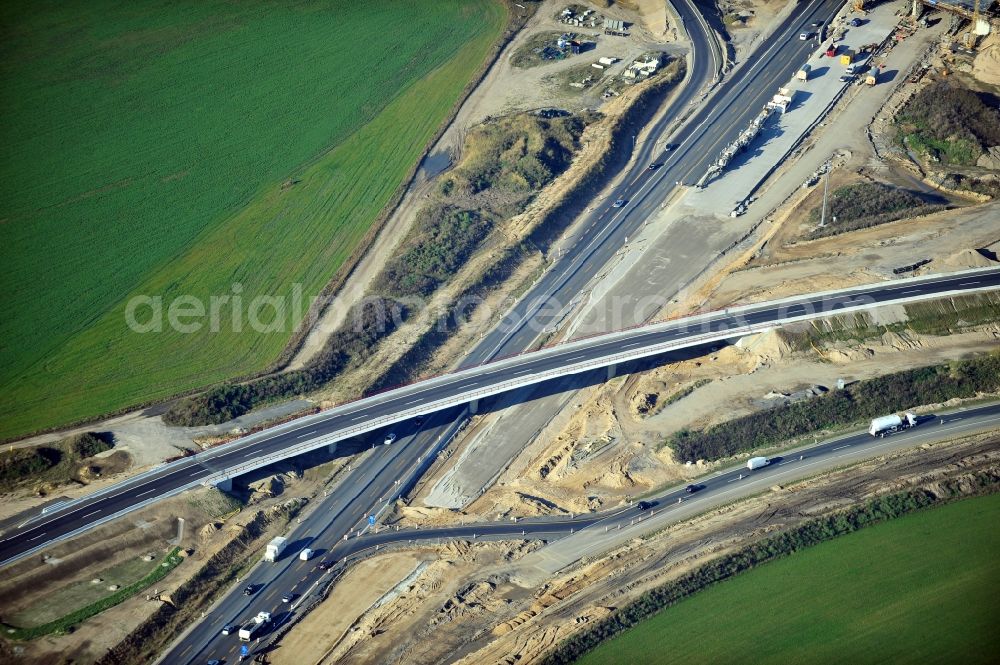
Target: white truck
{"type": "Point", "coordinates": [275, 548]}
{"type": "Point", "coordinates": [305, 554]}
{"type": "Point", "coordinates": [757, 463]}
{"type": "Point", "coordinates": [889, 424]}
{"type": "Point", "coordinates": [255, 627]}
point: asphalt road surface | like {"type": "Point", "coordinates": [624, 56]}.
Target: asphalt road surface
{"type": "Point", "coordinates": [419, 397]}
{"type": "Point", "coordinates": [776, 56]}
{"type": "Point", "coordinates": [290, 575]}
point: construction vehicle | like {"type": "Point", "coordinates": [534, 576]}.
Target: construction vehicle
{"type": "Point", "coordinates": [803, 73]}
{"type": "Point", "coordinates": [872, 77]}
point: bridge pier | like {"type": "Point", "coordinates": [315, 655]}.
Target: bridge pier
{"type": "Point", "coordinates": [474, 407]}
{"type": "Point", "coordinates": [612, 370]}
{"type": "Point", "coordinates": [225, 485]}
{"type": "Point", "coordinates": [332, 448]}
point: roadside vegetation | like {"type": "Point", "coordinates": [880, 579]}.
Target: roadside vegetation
{"type": "Point", "coordinates": [865, 204]}
{"type": "Point", "coordinates": [54, 464]}
{"type": "Point", "coordinates": [934, 317]}
{"type": "Point", "coordinates": [931, 594]}
{"type": "Point", "coordinates": [66, 623]}
{"type": "Point", "coordinates": [838, 408]}
{"type": "Point", "coordinates": [189, 600]}
{"type": "Point", "coordinates": [947, 123]}
{"type": "Point", "coordinates": [267, 143]}
{"type": "Point", "coordinates": [504, 163]}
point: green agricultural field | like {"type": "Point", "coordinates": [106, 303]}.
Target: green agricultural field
{"type": "Point", "coordinates": [179, 148]}
{"type": "Point", "coordinates": [924, 588]}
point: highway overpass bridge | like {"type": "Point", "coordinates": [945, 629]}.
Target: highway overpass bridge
{"type": "Point", "coordinates": [219, 465]}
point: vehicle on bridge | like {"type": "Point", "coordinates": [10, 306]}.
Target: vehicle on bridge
{"type": "Point", "coordinates": [889, 424]}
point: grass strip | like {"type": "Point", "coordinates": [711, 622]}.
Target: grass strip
{"type": "Point", "coordinates": [814, 532]}
{"type": "Point", "coordinates": [66, 623]}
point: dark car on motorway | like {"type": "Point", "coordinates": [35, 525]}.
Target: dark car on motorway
{"type": "Point", "coordinates": [653, 166]}
{"type": "Point", "coordinates": [691, 489]}
{"type": "Point", "coordinates": [288, 597]}
{"type": "Point", "coordinates": [646, 505]}
{"type": "Point", "coordinates": [325, 565]}
{"type": "Point", "coordinates": [618, 203]}
{"type": "Point", "coordinates": [227, 629]}
{"type": "Point", "coordinates": [249, 590]}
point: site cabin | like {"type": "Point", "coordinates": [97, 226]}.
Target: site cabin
{"type": "Point", "coordinates": [803, 74]}
{"type": "Point", "coordinates": [872, 77]}
{"type": "Point", "coordinates": [846, 58]}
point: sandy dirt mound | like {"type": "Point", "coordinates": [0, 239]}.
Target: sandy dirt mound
{"type": "Point", "coordinates": [986, 66]}
{"type": "Point", "coordinates": [967, 258]}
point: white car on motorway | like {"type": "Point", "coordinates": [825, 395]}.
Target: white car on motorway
{"type": "Point", "coordinates": [389, 438]}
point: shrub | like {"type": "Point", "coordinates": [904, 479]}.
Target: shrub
{"type": "Point", "coordinates": [371, 320]}
{"type": "Point", "coordinates": [949, 123]}
{"type": "Point", "coordinates": [862, 400]}
{"type": "Point", "coordinates": [866, 204]}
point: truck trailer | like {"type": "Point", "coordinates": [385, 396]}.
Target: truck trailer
{"type": "Point", "coordinates": [757, 463]}
{"type": "Point", "coordinates": [255, 627]}
{"type": "Point", "coordinates": [889, 424]}
{"type": "Point", "coordinates": [275, 548]}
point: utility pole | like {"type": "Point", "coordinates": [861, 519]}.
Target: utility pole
{"type": "Point", "coordinates": [826, 191]}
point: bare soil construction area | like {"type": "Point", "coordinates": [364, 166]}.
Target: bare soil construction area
{"type": "Point", "coordinates": [606, 445]}
{"type": "Point", "coordinates": [463, 603]}
{"type": "Point", "coordinates": [218, 530]}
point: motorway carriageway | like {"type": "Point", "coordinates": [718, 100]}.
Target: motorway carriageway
{"type": "Point", "coordinates": [303, 578]}
{"type": "Point", "coordinates": [566, 278]}
{"type": "Point", "coordinates": [422, 397]}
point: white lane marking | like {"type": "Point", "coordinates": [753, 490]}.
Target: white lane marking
{"type": "Point", "coordinates": [969, 283]}
{"type": "Point", "coordinates": [733, 480]}
{"type": "Point", "coordinates": [302, 436]}
{"type": "Point", "coordinates": [196, 473]}
{"type": "Point", "coordinates": [523, 371]}
{"type": "Point", "coordinates": [250, 454]}
{"type": "Point", "coordinates": [357, 418]}
{"type": "Point", "coordinates": [414, 401]}
{"type": "Point", "coordinates": [629, 346]}
{"type": "Point", "coordinates": [91, 513]}
{"type": "Point", "coordinates": [911, 291]}
{"type": "Point", "coordinates": [569, 360]}
{"type": "Point", "coordinates": [36, 537]}
{"type": "Point", "coordinates": [842, 447]}
{"type": "Point", "coordinates": [145, 493]}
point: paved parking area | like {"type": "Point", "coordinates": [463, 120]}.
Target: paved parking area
{"type": "Point", "coordinates": [811, 100]}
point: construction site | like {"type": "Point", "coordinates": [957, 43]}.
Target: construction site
{"type": "Point", "coordinates": [878, 159]}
